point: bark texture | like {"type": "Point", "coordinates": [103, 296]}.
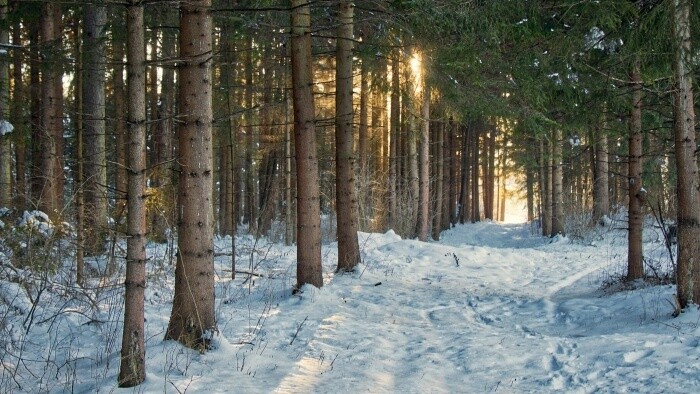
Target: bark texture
{"type": "Point", "coordinates": [308, 209]}
{"type": "Point", "coordinates": [52, 177]}
{"type": "Point", "coordinates": [688, 215]}
{"type": "Point", "coordinates": [192, 320]}
{"type": "Point", "coordinates": [132, 370]}
{"type": "Point", "coordinates": [95, 166]}
{"type": "Point", "coordinates": [635, 264]}
{"type": "Point", "coordinates": [346, 199]}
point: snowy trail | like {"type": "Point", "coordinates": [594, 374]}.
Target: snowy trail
{"type": "Point", "coordinates": [489, 308]}
{"type": "Point", "coordinates": [455, 325]}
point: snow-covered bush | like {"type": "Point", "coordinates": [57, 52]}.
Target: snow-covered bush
{"type": "Point", "coordinates": [35, 242]}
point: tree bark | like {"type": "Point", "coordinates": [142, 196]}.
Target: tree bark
{"type": "Point", "coordinates": [51, 196]}
{"type": "Point", "coordinates": [601, 194]}
{"type": "Point", "coordinates": [5, 145]}
{"type": "Point", "coordinates": [192, 320]}
{"type": "Point", "coordinates": [688, 195]}
{"type": "Point", "coordinates": [394, 121]}
{"type": "Point", "coordinates": [132, 370]}
{"type": "Point", "coordinates": [476, 214]}
{"type": "Point", "coordinates": [120, 130]}
{"type": "Point", "coordinates": [346, 200]}
{"type": "Point", "coordinates": [447, 204]}
{"type": "Point", "coordinates": [251, 195]}
{"type": "Point", "coordinates": [424, 173]}
{"type": "Point", "coordinates": [439, 174]}
{"type": "Point", "coordinates": [19, 97]}
{"type": "Point", "coordinates": [308, 193]}
{"type": "Point", "coordinates": [93, 111]}
{"type": "Point", "coordinates": [546, 186]}
{"type": "Point", "coordinates": [557, 184]}
{"type": "Point", "coordinates": [635, 258]}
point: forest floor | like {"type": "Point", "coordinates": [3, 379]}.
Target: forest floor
{"type": "Point", "coordinates": [488, 308]}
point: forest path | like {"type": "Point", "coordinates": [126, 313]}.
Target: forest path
{"type": "Point", "coordinates": [477, 310]}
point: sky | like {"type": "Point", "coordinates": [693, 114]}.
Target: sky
{"type": "Point", "coordinates": [488, 308]}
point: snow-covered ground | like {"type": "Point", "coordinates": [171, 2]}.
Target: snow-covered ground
{"type": "Point", "coordinates": [488, 308]}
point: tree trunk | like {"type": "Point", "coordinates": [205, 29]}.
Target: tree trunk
{"type": "Point", "coordinates": [439, 174]}
{"type": "Point", "coordinates": [251, 195]}
{"type": "Point", "coordinates": [93, 111]}
{"type": "Point", "coordinates": [446, 164]}
{"type": "Point", "coordinates": [394, 120]}
{"type": "Point", "coordinates": [557, 184]}
{"type": "Point", "coordinates": [346, 200]}
{"type": "Point", "coordinates": [424, 168]}
{"type": "Point", "coordinates": [35, 175]}
{"type": "Point", "coordinates": [308, 193]}
{"type": "Point", "coordinates": [530, 188]}
{"type": "Point", "coordinates": [454, 171]}
{"type": "Point", "coordinates": [132, 371]}
{"type": "Point", "coordinates": [635, 258]}
{"type": "Point", "coordinates": [192, 320]}
{"type": "Point", "coordinates": [229, 141]}
{"type": "Point", "coordinates": [476, 214]}
{"type": "Point", "coordinates": [490, 189]}
{"type": "Point", "coordinates": [546, 183]}
{"type": "Point", "coordinates": [601, 194]}
{"type": "Point", "coordinates": [365, 167]}
{"type": "Point", "coordinates": [120, 131]}
{"type": "Point", "coordinates": [19, 98]}
{"type": "Point", "coordinates": [5, 145]}
{"type": "Point", "coordinates": [688, 195]}
{"type": "Point", "coordinates": [51, 197]}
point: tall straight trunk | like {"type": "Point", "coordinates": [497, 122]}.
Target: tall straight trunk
{"type": "Point", "coordinates": [79, 167]}
{"type": "Point", "coordinates": [365, 165]}
{"type": "Point", "coordinates": [455, 173]}
{"type": "Point", "coordinates": [413, 178]}
{"type": "Point", "coordinates": [120, 129]}
{"type": "Point", "coordinates": [267, 185]}
{"type": "Point", "coordinates": [424, 166]}
{"type": "Point", "coordinates": [490, 211]}
{"type": "Point", "coordinates": [363, 131]}
{"type": "Point", "coordinates": [688, 195]}
{"type": "Point", "coordinates": [439, 174]}
{"type": "Point", "coordinates": [51, 198]}
{"type": "Point", "coordinates": [192, 320]}
{"type": "Point", "coordinates": [446, 175]}
{"type": "Point", "coordinates": [308, 193]}
{"type": "Point", "coordinates": [251, 199]}
{"type": "Point", "coordinates": [486, 185]}
{"type": "Point", "coordinates": [5, 145]}
{"type": "Point", "coordinates": [635, 263]}
{"type": "Point", "coordinates": [229, 141]}
{"type": "Point", "coordinates": [546, 183]}
{"type": "Point", "coordinates": [164, 140]}
{"type": "Point", "coordinates": [35, 174]}
{"type": "Point", "coordinates": [346, 200]}
{"type": "Point", "coordinates": [132, 370]}
{"type": "Point", "coordinates": [394, 121]}
{"type": "Point", "coordinates": [530, 188]}
{"type": "Point", "coordinates": [289, 218]}
{"type": "Point", "coordinates": [465, 184]}
{"type": "Point", "coordinates": [557, 184]}
{"type": "Point", "coordinates": [476, 214]}
{"type": "Point", "coordinates": [601, 194]}
{"type": "Point", "coordinates": [19, 97]}
{"type": "Point", "coordinates": [93, 113]}
{"type": "Point", "coordinates": [502, 191]}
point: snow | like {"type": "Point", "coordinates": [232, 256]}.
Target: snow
{"type": "Point", "coordinates": [490, 307]}
{"type": "Point", "coordinates": [5, 126]}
